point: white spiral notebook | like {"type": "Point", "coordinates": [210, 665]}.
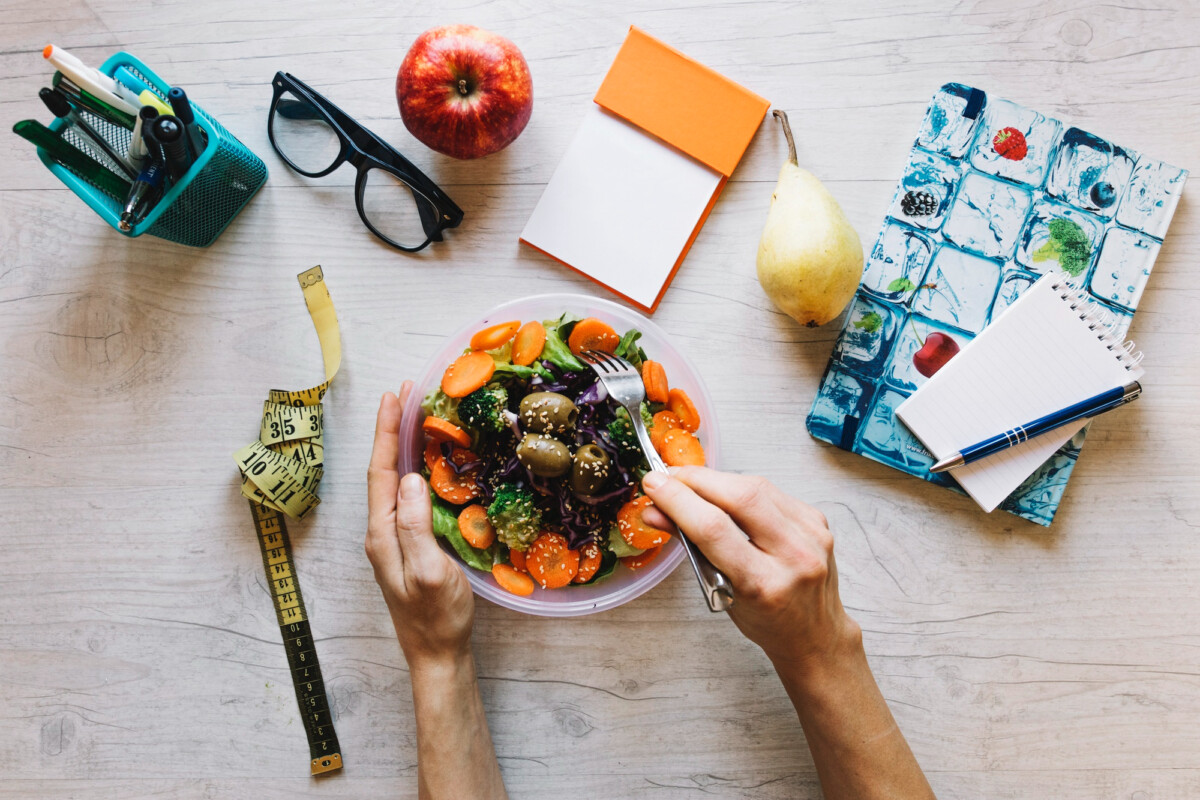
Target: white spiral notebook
{"type": "Point", "coordinates": [1050, 349]}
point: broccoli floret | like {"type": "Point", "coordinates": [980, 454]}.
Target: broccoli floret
{"type": "Point", "coordinates": [622, 432]}
{"type": "Point", "coordinates": [481, 409]}
{"type": "Point", "coordinates": [514, 516]}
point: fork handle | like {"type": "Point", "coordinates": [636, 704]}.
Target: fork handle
{"type": "Point", "coordinates": [717, 590]}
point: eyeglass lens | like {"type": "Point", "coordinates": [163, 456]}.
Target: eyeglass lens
{"type": "Point", "coordinates": [302, 134]}
{"type": "Point", "coordinates": [388, 203]}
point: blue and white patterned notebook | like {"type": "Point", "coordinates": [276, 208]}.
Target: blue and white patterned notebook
{"type": "Point", "coordinates": [994, 195]}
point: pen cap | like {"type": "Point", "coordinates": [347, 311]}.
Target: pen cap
{"type": "Point", "coordinates": [179, 102]}
{"type": "Point", "coordinates": [57, 102]}
{"type": "Point", "coordinates": [167, 129]}
{"type": "Point", "coordinates": [149, 98]}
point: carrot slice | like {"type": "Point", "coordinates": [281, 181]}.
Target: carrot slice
{"type": "Point", "coordinates": [495, 336]}
{"type": "Point", "coordinates": [664, 422]}
{"type": "Point", "coordinates": [589, 562]}
{"type": "Point", "coordinates": [655, 378]}
{"type": "Point", "coordinates": [512, 580]}
{"type": "Point", "coordinates": [475, 527]}
{"type": "Point", "coordinates": [682, 406]}
{"type": "Point", "coordinates": [528, 345]}
{"type": "Point", "coordinates": [441, 430]}
{"type": "Point", "coordinates": [433, 451]}
{"type": "Point", "coordinates": [641, 560]}
{"type": "Point", "coordinates": [634, 529]}
{"type": "Point", "coordinates": [452, 486]}
{"type": "Point", "coordinates": [517, 559]}
{"type": "Point", "coordinates": [551, 562]}
{"type": "Point", "coordinates": [469, 372]}
{"type": "Point", "coordinates": [592, 334]}
{"type": "Point", "coordinates": [681, 449]}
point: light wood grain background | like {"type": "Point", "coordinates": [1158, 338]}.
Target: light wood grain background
{"type": "Point", "coordinates": [139, 656]}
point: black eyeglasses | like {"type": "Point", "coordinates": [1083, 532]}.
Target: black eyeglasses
{"type": "Point", "coordinates": [395, 200]}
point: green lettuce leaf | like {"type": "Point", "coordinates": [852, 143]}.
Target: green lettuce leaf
{"type": "Point", "coordinates": [438, 404]}
{"type": "Point", "coordinates": [628, 348]}
{"type": "Point", "coordinates": [445, 526]}
{"type": "Point", "coordinates": [556, 350]}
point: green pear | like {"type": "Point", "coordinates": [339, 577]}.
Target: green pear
{"type": "Point", "coordinates": [810, 259]}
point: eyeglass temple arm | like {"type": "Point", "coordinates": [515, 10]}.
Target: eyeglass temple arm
{"type": "Point", "coordinates": [350, 127]}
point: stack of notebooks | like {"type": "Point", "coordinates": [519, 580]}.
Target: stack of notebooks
{"type": "Point", "coordinates": [995, 196]}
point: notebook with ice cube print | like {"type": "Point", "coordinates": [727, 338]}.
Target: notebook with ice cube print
{"type": "Point", "coordinates": [1010, 374]}
{"type": "Point", "coordinates": [993, 196]}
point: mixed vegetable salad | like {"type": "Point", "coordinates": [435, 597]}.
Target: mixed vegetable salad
{"type": "Point", "coordinates": [535, 471]}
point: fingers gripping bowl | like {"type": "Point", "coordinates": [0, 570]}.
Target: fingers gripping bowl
{"type": "Point", "coordinates": [448, 463]}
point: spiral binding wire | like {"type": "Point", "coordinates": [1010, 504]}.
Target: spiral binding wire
{"type": "Point", "coordinates": [1098, 319]}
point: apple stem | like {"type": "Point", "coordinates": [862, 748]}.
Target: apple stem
{"type": "Point", "coordinates": [787, 133]}
{"type": "Point", "coordinates": [462, 87]}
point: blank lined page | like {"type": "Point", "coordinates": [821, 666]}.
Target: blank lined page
{"type": "Point", "coordinates": [1038, 357]}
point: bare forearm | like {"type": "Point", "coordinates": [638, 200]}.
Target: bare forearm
{"type": "Point", "coordinates": [455, 756]}
{"type": "Point", "coordinates": [859, 751]}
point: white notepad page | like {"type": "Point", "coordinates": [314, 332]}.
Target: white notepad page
{"type": "Point", "coordinates": [1038, 357]}
{"type": "Point", "coordinates": [621, 206]}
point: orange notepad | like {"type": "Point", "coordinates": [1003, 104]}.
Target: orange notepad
{"type": "Point", "coordinates": [643, 172]}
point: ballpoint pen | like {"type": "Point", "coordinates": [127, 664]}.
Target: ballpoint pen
{"type": "Point", "coordinates": [72, 158]}
{"type": "Point", "coordinates": [89, 101]}
{"type": "Point", "coordinates": [197, 141]}
{"type": "Point", "coordinates": [169, 133]}
{"type": "Point", "coordinates": [141, 195]}
{"type": "Point", "coordinates": [92, 80]}
{"type": "Point", "coordinates": [61, 107]}
{"type": "Point", "coordinates": [1097, 404]}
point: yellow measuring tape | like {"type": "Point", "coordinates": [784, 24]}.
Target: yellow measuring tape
{"type": "Point", "coordinates": [280, 475]}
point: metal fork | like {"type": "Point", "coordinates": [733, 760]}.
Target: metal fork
{"type": "Point", "coordinates": [625, 385]}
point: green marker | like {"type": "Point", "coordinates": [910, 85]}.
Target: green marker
{"type": "Point", "coordinates": [72, 158]}
{"type": "Point", "coordinates": [92, 103]}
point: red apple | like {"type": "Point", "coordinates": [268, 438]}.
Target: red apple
{"type": "Point", "coordinates": [933, 355]}
{"type": "Point", "coordinates": [464, 91]}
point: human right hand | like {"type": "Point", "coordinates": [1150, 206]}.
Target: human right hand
{"type": "Point", "coordinates": [778, 554]}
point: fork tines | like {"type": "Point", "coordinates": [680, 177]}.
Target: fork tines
{"type": "Point", "coordinates": [606, 361]}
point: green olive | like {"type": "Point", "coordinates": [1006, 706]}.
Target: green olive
{"type": "Point", "coordinates": [590, 470]}
{"type": "Point", "coordinates": [545, 456]}
{"type": "Point", "coordinates": [548, 412]}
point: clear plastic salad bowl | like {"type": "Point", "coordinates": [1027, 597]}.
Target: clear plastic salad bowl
{"type": "Point", "coordinates": [624, 584]}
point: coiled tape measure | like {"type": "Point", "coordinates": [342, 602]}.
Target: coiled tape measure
{"type": "Point", "coordinates": [280, 475]}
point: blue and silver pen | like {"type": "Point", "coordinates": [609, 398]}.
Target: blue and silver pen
{"type": "Point", "coordinates": [1105, 401]}
{"type": "Point", "coordinates": [142, 195]}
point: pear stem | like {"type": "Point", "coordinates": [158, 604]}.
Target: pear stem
{"type": "Point", "coordinates": [787, 133]}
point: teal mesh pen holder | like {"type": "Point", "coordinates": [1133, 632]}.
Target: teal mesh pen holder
{"type": "Point", "coordinates": [197, 207]}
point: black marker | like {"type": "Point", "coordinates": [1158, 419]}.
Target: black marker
{"type": "Point", "coordinates": [196, 138]}
{"type": "Point", "coordinates": [146, 144]}
{"type": "Point", "coordinates": [169, 132]}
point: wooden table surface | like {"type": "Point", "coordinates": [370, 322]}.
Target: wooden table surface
{"type": "Point", "coordinates": [139, 654]}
